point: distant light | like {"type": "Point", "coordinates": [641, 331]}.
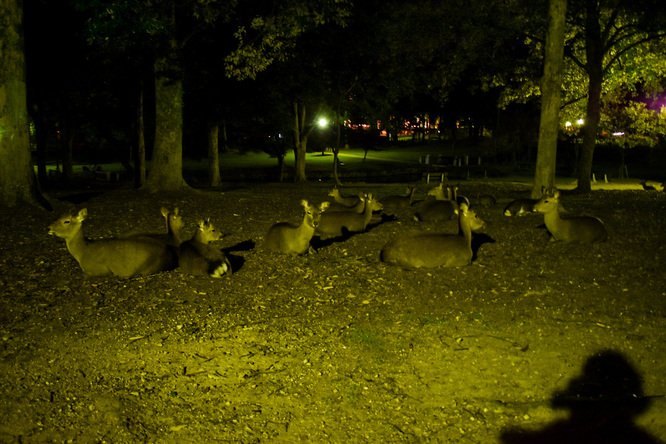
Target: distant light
{"type": "Point", "coordinates": [580, 121]}
{"type": "Point", "coordinates": [322, 122]}
{"type": "Point", "coordinates": [618, 133]}
{"type": "Point", "coordinates": [567, 124]}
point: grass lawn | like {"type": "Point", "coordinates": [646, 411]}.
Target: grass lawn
{"type": "Point", "coordinates": [398, 163]}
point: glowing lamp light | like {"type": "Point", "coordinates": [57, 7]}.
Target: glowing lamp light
{"type": "Point", "coordinates": [322, 122]}
{"type": "Point", "coordinates": [580, 121]}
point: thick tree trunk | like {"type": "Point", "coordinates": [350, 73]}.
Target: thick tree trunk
{"type": "Point", "coordinates": [166, 169]}
{"type": "Point", "coordinates": [590, 134]}
{"type": "Point", "coordinates": [17, 175]}
{"type": "Point", "coordinates": [551, 90]}
{"type": "Point", "coordinates": [213, 155]}
{"type": "Point", "coordinates": [594, 49]}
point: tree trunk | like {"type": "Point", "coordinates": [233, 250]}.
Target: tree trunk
{"type": "Point", "coordinates": [281, 168]}
{"type": "Point", "coordinates": [590, 134]}
{"type": "Point", "coordinates": [594, 53]}
{"type": "Point", "coordinates": [338, 142]}
{"type": "Point", "coordinates": [551, 90]}
{"type": "Point", "coordinates": [225, 138]}
{"type": "Point", "coordinates": [213, 155]}
{"type": "Point", "coordinates": [40, 141]}
{"type": "Point", "coordinates": [300, 142]}
{"type": "Point", "coordinates": [166, 169]}
{"type": "Point", "coordinates": [67, 147]}
{"type": "Point", "coordinates": [140, 153]}
{"type": "Point", "coordinates": [17, 175]}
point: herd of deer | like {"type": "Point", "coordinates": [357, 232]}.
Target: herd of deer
{"type": "Point", "coordinates": [147, 253]}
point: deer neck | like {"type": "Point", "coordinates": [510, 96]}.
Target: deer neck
{"type": "Point", "coordinates": [199, 237]}
{"type": "Point", "coordinates": [307, 227]}
{"type": "Point", "coordinates": [77, 243]}
{"type": "Point", "coordinates": [464, 230]}
{"type": "Point", "coordinates": [552, 216]}
{"type": "Point", "coordinates": [367, 212]}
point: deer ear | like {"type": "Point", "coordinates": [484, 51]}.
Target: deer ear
{"type": "Point", "coordinates": [304, 203]}
{"type": "Point", "coordinates": [324, 205]}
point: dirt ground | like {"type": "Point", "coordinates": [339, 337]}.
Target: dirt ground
{"type": "Point", "coordinates": [533, 341]}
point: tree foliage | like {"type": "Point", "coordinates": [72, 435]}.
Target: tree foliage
{"type": "Point", "coordinates": [264, 39]}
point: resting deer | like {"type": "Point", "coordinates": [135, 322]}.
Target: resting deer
{"type": "Point", "coordinates": [433, 249]}
{"type": "Point", "coordinates": [198, 257]}
{"type": "Point", "coordinates": [438, 207]}
{"type": "Point", "coordinates": [339, 224]}
{"type": "Point", "coordinates": [585, 229]}
{"type": "Point", "coordinates": [286, 238]}
{"type": "Point", "coordinates": [174, 223]}
{"type": "Point", "coordinates": [118, 257]}
{"type": "Point", "coordinates": [395, 204]}
{"type": "Point", "coordinates": [520, 207]}
{"type": "Point", "coordinates": [348, 201]}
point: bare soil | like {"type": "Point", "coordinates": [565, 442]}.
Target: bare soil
{"type": "Point", "coordinates": [533, 341]}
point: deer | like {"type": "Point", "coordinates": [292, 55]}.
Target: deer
{"type": "Point", "coordinates": [198, 257]}
{"type": "Point", "coordinates": [454, 196]}
{"type": "Point", "coordinates": [430, 250]}
{"type": "Point", "coordinates": [174, 224]}
{"type": "Point", "coordinates": [520, 207]}
{"type": "Point", "coordinates": [583, 229]}
{"type": "Point", "coordinates": [394, 204]}
{"type": "Point", "coordinates": [285, 238]}
{"type": "Point", "coordinates": [114, 256]}
{"type": "Point", "coordinates": [339, 224]}
{"type": "Point", "coordinates": [438, 206]}
{"type": "Point", "coordinates": [348, 201]}
{"type": "Point", "coordinates": [486, 200]}
{"type": "Point", "coordinates": [440, 192]}
{"type": "Point", "coordinates": [336, 207]}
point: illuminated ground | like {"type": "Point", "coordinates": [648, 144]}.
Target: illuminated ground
{"type": "Point", "coordinates": [332, 347]}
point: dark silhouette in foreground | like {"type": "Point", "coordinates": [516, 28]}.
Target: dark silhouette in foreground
{"type": "Point", "coordinates": [603, 402]}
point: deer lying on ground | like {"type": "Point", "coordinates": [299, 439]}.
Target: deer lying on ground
{"type": "Point", "coordinates": [174, 223]}
{"type": "Point", "coordinates": [395, 204]}
{"type": "Point", "coordinates": [520, 207]}
{"type": "Point", "coordinates": [457, 198]}
{"type": "Point", "coordinates": [198, 257]}
{"type": "Point", "coordinates": [286, 238]}
{"type": "Point", "coordinates": [336, 207]}
{"type": "Point", "coordinates": [585, 229]}
{"type": "Point", "coordinates": [438, 207]}
{"type": "Point", "coordinates": [440, 192]}
{"type": "Point", "coordinates": [339, 224]}
{"type": "Point", "coordinates": [118, 257]}
{"type": "Point", "coordinates": [433, 249]}
{"type": "Point", "coordinates": [348, 201]}
{"type": "Point", "coordinates": [486, 200]}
